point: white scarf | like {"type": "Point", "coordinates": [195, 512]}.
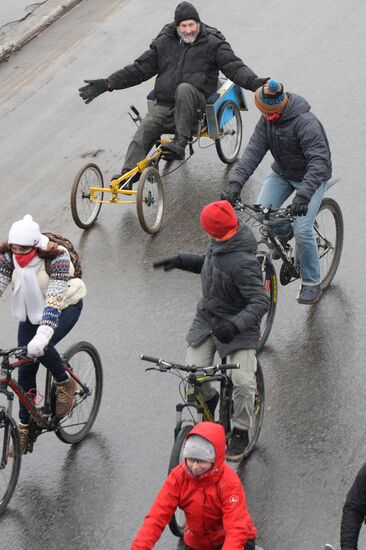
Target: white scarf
{"type": "Point", "coordinates": [28, 300]}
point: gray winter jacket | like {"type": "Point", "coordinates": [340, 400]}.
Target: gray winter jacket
{"type": "Point", "coordinates": [299, 146]}
{"type": "Point", "coordinates": [175, 62]}
{"type": "Point", "coordinates": [232, 289]}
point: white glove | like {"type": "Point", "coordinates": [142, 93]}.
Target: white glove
{"type": "Point", "coordinates": [41, 339]}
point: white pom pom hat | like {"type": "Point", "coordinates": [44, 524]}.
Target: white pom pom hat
{"type": "Point", "coordinates": [25, 232]}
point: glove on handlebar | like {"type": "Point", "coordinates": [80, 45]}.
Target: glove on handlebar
{"type": "Point", "coordinates": [233, 192]}
{"type": "Point", "coordinates": [169, 263]}
{"type": "Point", "coordinates": [39, 341]}
{"type": "Point", "coordinates": [225, 331]}
{"type": "Point", "coordinates": [299, 206]}
{"type": "Point", "coordinates": [93, 89]}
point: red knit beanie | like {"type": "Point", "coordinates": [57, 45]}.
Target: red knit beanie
{"type": "Point", "coordinates": [219, 220]}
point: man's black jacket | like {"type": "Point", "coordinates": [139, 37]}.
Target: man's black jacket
{"type": "Point", "coordinates": [175, 62]}
{"type": "Point", "coordinates": [232, 289]}
{"type": "Point", "coordinates": [354, 512]}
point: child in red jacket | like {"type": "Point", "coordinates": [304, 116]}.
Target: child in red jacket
{"type": "Point", "coordinates": [210, 494]}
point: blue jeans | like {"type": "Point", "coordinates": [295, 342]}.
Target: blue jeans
{"type": "Point", "coordinates": [275, 191]}
{"type": "Point", "coordinates": [51, 359]}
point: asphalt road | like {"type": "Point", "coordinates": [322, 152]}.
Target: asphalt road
{"type": "Point", "coordinates": [313, 439]}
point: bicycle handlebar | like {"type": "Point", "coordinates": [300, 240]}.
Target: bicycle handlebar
{"type": "Point", "coordinates": [283, 214]}
{"type": "Point", "coordinates": [166, 365]}
{"type": "Point", "coordinates": [19, 352]}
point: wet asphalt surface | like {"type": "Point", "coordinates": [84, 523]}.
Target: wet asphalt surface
{"type": "Point", "coordinates": [313, 438]}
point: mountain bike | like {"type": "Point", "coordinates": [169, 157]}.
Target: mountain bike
{"type": "Point", "coordinates": [83, 364]}
{"type": "Point", "coordinates": [221, 122]}
{"type": "Point", "coordinates": [328, 231]}
{"type": "Point", "coordinates": [193, 402]}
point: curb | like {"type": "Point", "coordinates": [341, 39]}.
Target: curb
{"type": "Point", "coordinates": [42, 17]}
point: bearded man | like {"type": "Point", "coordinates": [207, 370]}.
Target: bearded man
{"type": "Point", "coordinates": [186, 58]}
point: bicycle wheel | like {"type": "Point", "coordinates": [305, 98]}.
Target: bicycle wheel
{"type": "Point", "coordinates": [258, 412]}
{"type": "Point", "coordinates": [231, 131]}
{"type": "Point", "coordinates": [270, 285]}
{"type": "Point", "coordinates": [178, 521]}
{"type": "Point", "coordinates": [9, 465]}
{"type": "Point", "coordinates": [86, 365]}
{"type": "Point", "coordinates": [328, 230]}
{"type": "Point", "coordinates": [150, 200]}
{"type": "Point", "coordinates": [84, 212]}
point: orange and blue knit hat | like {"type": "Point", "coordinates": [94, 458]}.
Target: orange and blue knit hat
{"type": "Point", "coordinates": [271, 97]}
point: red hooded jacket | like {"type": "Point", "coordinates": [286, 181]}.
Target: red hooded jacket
{"type": "Point", "coordinates": [214, 503]}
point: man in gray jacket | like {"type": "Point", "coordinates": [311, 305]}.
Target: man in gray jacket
{"type": "Point", "coordinates": [229, 313]}
{"type": "Point", "coordinates": [302, 163]}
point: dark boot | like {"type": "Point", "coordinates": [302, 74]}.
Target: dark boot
{"type": "Point", "coordinates": [133, 180]}
{"type": "Point", "coordinates": [212, 404]}
{"type": "Point", "coordinates": [239, 441]}
{"type": "Point", "coordinates": [176, 148]}
{"type": "Point", "coordinates": [309, 295]}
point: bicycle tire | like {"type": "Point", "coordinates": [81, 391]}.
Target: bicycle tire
{"type": "Point", "coordinates": [222, 142]}
{"type": "Point", "coordinates": [177, 523]}
{"type": "Point", "coordinates": [329, 246]}
{"type": "Point", "coordinates": [84, 212]}
{"type": "Point", "coordinates": [150, 200]}
{"type": "Point", "coordinates": [9, 430]}
{"type": "Point", "coordinates": [271, 287]}
{"type": "Point", "coordinates": [67, 432]}
{"type": "Point", "coordinates": [258, 412]}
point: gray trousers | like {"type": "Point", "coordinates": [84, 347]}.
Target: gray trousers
{"type": "Point", "coordinates": [180, 118]}
{"type": "Point", "coordinates": [243, 379]}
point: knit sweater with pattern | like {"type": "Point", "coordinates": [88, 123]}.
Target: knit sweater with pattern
{"type": "Point", "coordinates": [56, 290]}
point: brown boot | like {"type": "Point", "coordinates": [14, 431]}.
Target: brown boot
{"type": "Point", "coordinates": [65, 396]}
{"type": "Point", "coordinates": [23, 436]}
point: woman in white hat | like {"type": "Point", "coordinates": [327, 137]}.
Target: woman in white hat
{"type": "Point", "coordinates": [47, 301]}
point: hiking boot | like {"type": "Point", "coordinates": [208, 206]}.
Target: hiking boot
{"type": "Point", "coordinates": [212, 404]}
{"type": "Point", "coordinates": [65, 396]}
{"type": "Point", "coordinates": [24, 437]}
{"type": "Point", "coordinates": [309, 295]}
{"type": "Point", "coordinates": [239, 441]}
{"type": "Point", "coordinates": [176, 148]}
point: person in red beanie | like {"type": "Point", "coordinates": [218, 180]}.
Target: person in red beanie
{"type": "Point", "coordinates": [208, 491]}
{"type": "Point", "coordinates": [229, 313]}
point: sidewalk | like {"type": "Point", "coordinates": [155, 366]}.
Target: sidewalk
{"type": "Point", "coordinates": [13, 37]}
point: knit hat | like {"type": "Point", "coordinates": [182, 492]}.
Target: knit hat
{"type": "Point", "coordinates": [219, 220]}
{"type": "Point", "coordinates": [25, 232]}
{"type": "Point", "coordinates": [185, 11]}
{"type": "Point", "coordinates": [199, 448]}
{"type": "Point", "coordinates": [271, 97]}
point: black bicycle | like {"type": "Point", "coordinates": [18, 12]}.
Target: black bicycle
{"type": "Point", "coordinates": [83, 364]}
{"type": "Point", "coordinates": [193, 402]}
{"type": "Point", "coordinates": [328, 230]}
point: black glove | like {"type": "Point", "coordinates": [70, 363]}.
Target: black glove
{"type": "Point", "coordinates": [233, 192]}
{"type": "Point", "coordinates": [225, 331]}
{"type": "Point", "coordinates": [256, 83]}
{"type": "Point", "coordinates": [169, 263]}
{"type": "Point", "coordinates": [93, 89]}
{"type": "Point", "coordinates": [299, 206]}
